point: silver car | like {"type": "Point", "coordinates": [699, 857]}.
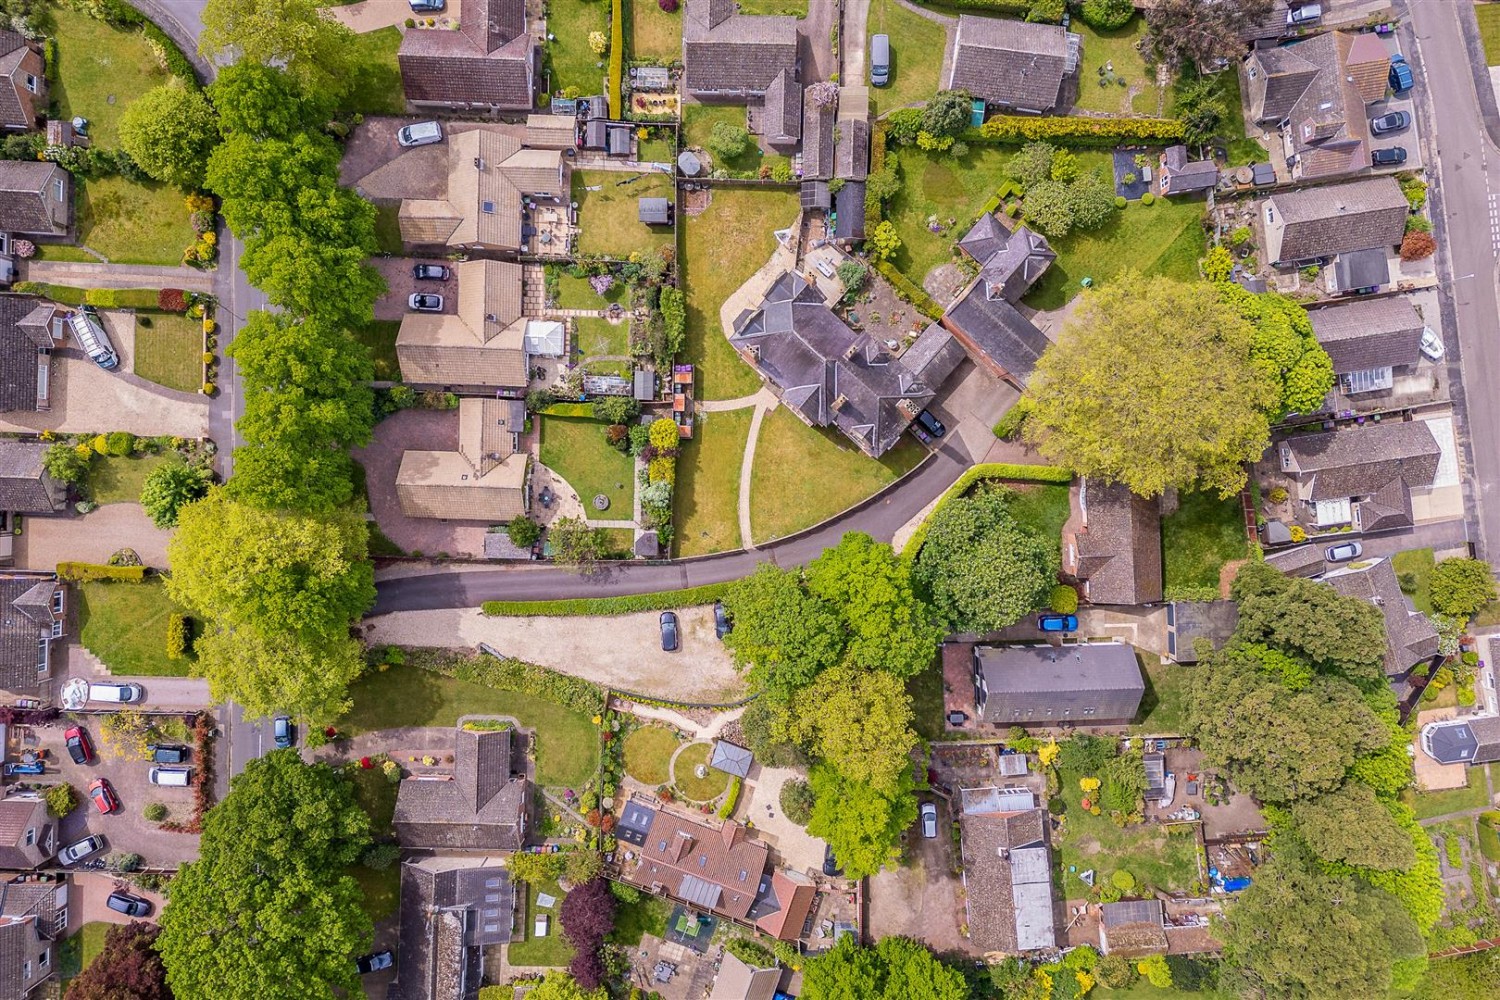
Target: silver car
{"type": "Point", "coordinates": [1344, 551]}
{"type": "Point", "coordinates": [74, 853]}
{"type": "Point", "coordinates": [929, 820]}
{"type": "Point", "coordinates": [420, 134]}
{"type": "Point", "coordinates": [425, 302]}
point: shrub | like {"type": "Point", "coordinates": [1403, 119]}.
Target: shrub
{"type": "Point", "coordinates": [1462, 586]}
{"type": "Point", "coordinates": [67, 464]}
{"type": "Point", "coordinates": [669, 6]}
{"type": "Point", "coordinates": [731, 799]}
{"type": "Point", "coordinates": [909, 291]}
{"type": "Point", "coordinates": [177, 636]}
{"type": "Point", "coordinates": [662, 470]}
{"type": "Point", "coordinates": [1418, 246]}
{"type": "Point", "coordinates": [884, 242]}
{"type": "Point", "coordinates": [78, 572]}
{"type": "Point", "coordinates": [615, 409]}
{"type": "Point", "coordinates": [172, 300]}
{"type": "Point", "coordinates": [727, 141]}
{"type": "Point", "coordinates": [664, 434]}
{"type": "Point", "coordinates": [595, 606]}
{"type": "Point", "coordinates": [523, 531]}
{"type": "Point", "coordinates": [1120, 201]}
{"type": "Point", "coordinates": [796, 801]}
{"type": "Point", "coordinates": [1122, 880]}
{"type": "Point", "coordinates": [1418, 224]}
{"type": "Point", "coordinates": [61, 799]}
{"type": "Point", "coordinates": [379, 857]}
{"type": "Point", "coordinates": [1010, 426]}
{"type": "Point", "coordinates": [1278, 494]}
{"type": "Point", "coordinates": [169, 488]}
{"type": "Point", "coordinates": [154, 812]}
{"type": "Point", "coordinates": [1078, 131]}
{"type": "Point", "coordinates": [1064, 599]}
{"type": "Point", "coordinates": [1148, 198]}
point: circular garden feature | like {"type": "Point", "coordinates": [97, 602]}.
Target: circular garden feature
{"type": "Point", "coordinates": [648, 754]}
{"type": "Point", "coordinates": [690, 762]}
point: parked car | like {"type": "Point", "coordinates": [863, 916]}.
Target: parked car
{"type": "Point", "coordinates": [1393, 122]}
{"type": "Point", "coordinates": [1392, 156]}
{"type": "Point", "coordinates": [36, 768]}
{"type": "Point", "coordinates": [932, 425]}
{"type": "Point", "coordinates": [1308, 13]}
{"type": "Point", "coordinates": [103, 797]}
{"type": "Point", "coordinates": [420, 134]}
{"type": "Point", "coordinates": [116, 692]}
{"type": "Point", "coordinates": [80, 747]}
{"type": "Point", "coordinates": [426, 6]}
{"type": "Point", "coordinates": [1057, 623]}
{"type": "Point", "coordinates": [131, 906]}
{"type": "Point", "coordinates": [1401, 78]}
{"type": "Point", "coordinates": [880, 60]}
{"type": "Point", "coordinates": [374, 963]}
{"type": "Point", "coordinates": [1344, 551]}
{"type": "Point", "coordinates": [722, 625]}
{"type": "Point", "coordinates": [74, 853]}
{"type": "Point", "coordinates": [830, 863]}
{"type": "Point", "coordinates": [283, 732]}
{"type": "Point", "coordinates": [669, 631]}
{"type": "Point", "coordinates": [89, 331]}
{"type": "Point", "coordinates": [425, 302]}
{"type": "Point", "coordinates": [431, 272]}
{"type": "Point", "coordinates": [162, 754]}
{"type": "Point", "coordinates": [929, 820]}
{"type": "Point", "coordinates": [1432, 343]}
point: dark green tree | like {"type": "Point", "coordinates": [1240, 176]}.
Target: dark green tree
{"type": "Point", "coordinates": [783, 634]}
{"type": "Point", "coordinates": [67, 464]}
{"type": "Point", "coordinates": [1337, 635]}
{"type": "Point", "coordinates": [168, 488]}
{"type": "Point", "coordinates": [886, 625]}
{"type": "Point", "coordinates": [947, 113]}
{"type": "Point", "coordinates": [264, 102]}
{"type": "Point", "coordinates": [1351, 826]}
{"type": "Point", "coordinates": [1200, 108]}
{"type": "Point", "coordinates": [1460, 587]}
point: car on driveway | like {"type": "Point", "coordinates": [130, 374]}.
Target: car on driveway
{"type": "Point", "coordinates": [669, 639]}
{"type": "Point", "coordinates": [374, 963]}
{"type": "Point", "coordinates": [103, 797]}
{"type": "Point", "coordinates": [1344, 551]}
{"type": "Point", "coordinates": [283, 732]}
{"type": "Point", "coordinates": [131, 906]}
{"type": "Point", "coordinates": [163, 754]}
{"type": "Point", "coordinates": [80, 748]}
{"type": "Point", "coordinates": [1300, 15]}
{"type": "Point", "coordinates": [1432, 344]}
{"type": "Point", "coordinates": [419, 134]}
{"type": "Point", "coordinates": [830, 863]}
{"type": "Point", "coordinates": [932, 425]}
{"type": "Point", "coordinates": [1391, 156]}
{"type": "Point", "coordinates": [1057, 623]}
{"type": "Point", "coordinates": [74, 853]}
{"type": "Point", "coordinates": [722, 625]}
{"type": "Point", "coordinates": [1400, 77]}
{"type": "Point", "coordinates": [431, 272]}
{"type": "Point", "coordinates": [929, 820]}
{"type": "Point", "coordinates": [425, 302]}
{"type": "Point", "coordinates": [1393, 122]}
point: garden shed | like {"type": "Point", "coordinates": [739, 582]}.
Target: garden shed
{"type": "Point", "coordinates": [731, 759]}
{"type": "Point", "coordinates": [654, 211]}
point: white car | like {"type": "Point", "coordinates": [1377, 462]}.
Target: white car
{"type": "Point", "coordinates": [74, 853]}
{"type": "Point", "coordinates": [1344, 551]}
{"type": "Point", "coordinates": [420, 134]}
{"type": "Point", "coordinates": [1432, 344]}
{"type": "Point", "coordinates": [425, 302]}
{"type": "Point", "coordinates": [929, 820]}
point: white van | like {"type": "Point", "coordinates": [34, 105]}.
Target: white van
{"type": "Point", "coordinates": [880, 60]}
{"type": "Point", "coordinates": [89, 332]}
{"type": "Point", "coordinates": [420, 134]}
{"type": "Point", "coordinates": [115, 692]}
{"type": "Point", "coordinates": [176, 777]}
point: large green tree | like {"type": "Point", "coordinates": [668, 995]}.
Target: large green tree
{"type": "Point", "coordinates": [1310, 620]}
{"type": "Point", "coordinates": [861, 824]}
{"type": "Point", "coordinates": [170, 487]}
{"type": "Point", "coordinates": [783, 634]}
{"type": "Point", "coordinates": [859, 721]}
{"type": "Point", "coordinates": [261, 179]}
{"type": "Point", "coordinates": [269, 670]}
{"type": "Point", "coordinates": [886, 625]}
{"type": "Point", "coordinates": [983, 569]}
{"type": "Point", "coordinates": [265, 102]}
{"type": "Point", "coordinates": [296, 34]}
{"type": "Point", "coordinates": [313, 275]}
{"type": "Point", "coordinates": [269, 911]}
{"type": "Point", "coordinates": [170, 131]}
{"type": "Point", "coordinates": [1284, 347]}
{"type": "Point", "coordinates": [1151, 383]}
{"type": "Point", "coordinates": [1351, 826]}
{"type": "Point", "coordinates": [1461, 587]}
{"type": "Point", "coordinates": [896, 968]}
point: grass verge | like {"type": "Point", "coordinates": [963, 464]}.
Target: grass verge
{"type": "Point", "coordinates": [1489, 31]}
{"type": "Point", "coordinates": [113, 479]}
{"type": "Point", "coordinates": [131, 222]}
{"type": "Point", "coordinates": [660, 601]}
{"type": "Point", "coordinates": [125, 625]}
{"type": "Point", "coordinates": [707, 497]}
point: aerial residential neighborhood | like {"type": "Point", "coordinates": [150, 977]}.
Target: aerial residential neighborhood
{"type": "Point", "coordinates": [749, 499]}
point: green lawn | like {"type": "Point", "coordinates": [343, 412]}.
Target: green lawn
{"type": "Point", "coordinates": [577, 293]}
{"type": "Point", "coordinates": [598, 337]}
{"type": "Point", "coordinates": [1043, 508]}
{"type": "Point", "coordinates": [91, 935]}
{"type": "Point", "coordinates": [1093, 842]}
{"type": "Point", "coordinates": [374, 86]}
{"type": "Point", "coordinates": [169, 352]}
{"type": "Point", "coordinates": [1164, 706]}
{"type": "Point", "coordinates": [381, 889]}
{"type": "Point", "coordinates": [607, 218]}
{"type": "Point", "coordinates": [1204, 534]}
{"type": "Point", "coordinates": [1489, 842]}
{"type": "Point", "coordinates": [694, 788]}
{"type": "Point", "coordinates": [552, 950]}
{"type": "Point", "coordinates": [803, 475]}
{"type": "Point", "coordinates": [1242, 148]}
{"type": "Point", "coordinates": [1430, 804]}
{"type": "Point", "coordinates": [796, 8]}
{"type": "Point", "coordinates": [567, 745]}
{"type": "Point", "coordinates": [99, 71]}
{"type": "Point", "coordinates": [379, 335]}
{"type": "Point", "coordinates": [723, 247]}
{"type": "Point", "coordinates": [926, 691]}
{"type": "Point", "coordinates": [656, 151]}
{"type": "Point", "coordinates": [1116, 48]}
{"type": "Point", "coordinates": [1414, 570]}
{"type": "Point", "coordinates": [572, 62]}
{"type": "Point", "coordinates": [388, 226]}
{"type": "Point", "coordinates": [125, 625]}
{"type": "Point", "coordinates": [1489, 31]}
{"type": "Point", "coordinates": [634, 921]}
{"type": "Point", "coordinates": [113, 479]}
{"type": "Point", "coordinates": [62, 251]}
{"type": "Point", "coordinates": [698, 123]}
{"type": "Point", "coordinates": [576, 450]}
{"type": "Point", "coordinates": [707, 497]}
{"type": "Point", "coordinates": [916, 56]}
{"type": "Point", "coordinates": [131, 222]}
{"type": "Point", "coordinates": [648, 750]}
{"type": "Point", "coordinates": [376, 794]}
{"type": "Point", "coordinates": [652, 32]}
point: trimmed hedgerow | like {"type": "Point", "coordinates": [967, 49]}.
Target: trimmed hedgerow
{"type": "Point", "coordinates": [660, 601]}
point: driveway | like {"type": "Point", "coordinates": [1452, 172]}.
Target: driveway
{"type": "Point", "coordinates": [761, 804]}
{"type": "Point", "coordinates": [168, 693]}
{"type": "Point", "coordinates": [379, 168]}
{"type": "Point", "coordinates": [815, 42]}
{"type": "Point", "coordinates": [420, 430]}
{"type": "Point", "coordinates": [971, 405]}
{"type": "Point", "coordinates": [89, 891]}
{"type": "Point", "coordinates": [621, 651]}
{"type": "Point", "coordinates": [397, 272]}
{"type": "Point", "coordinates": [46, 541]}
{"type": "Point", "coordinates": [921, 898]}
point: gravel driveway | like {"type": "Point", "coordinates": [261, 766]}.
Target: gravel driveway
{"type": "Point", "coordinates": [46, 541]}
{"type": "Point", "coordinates": [920, 899]}
{"type": "Point", "coordinates": [622, 651]}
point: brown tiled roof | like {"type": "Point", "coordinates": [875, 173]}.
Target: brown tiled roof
{"type": "Point", "coordinates": [718, 870]}
{"type": "Point", "coordinates": [19, 357]}
{"type": "Point", "coordinates": [1007, 62]}
{"type": "Point", "coordinates": [989, 841]}
{"type": "Point", "coordinates": [482, 344]}
{"type": "Point", "coordinates": [17, 61]}
{"type": "Point", "coordinates": [1337, 218]}
{"type": "Point", "coordinates": [551, 131]}
{"type": "Point", "coordinates": [485, 480]}
{"type": "Point", "coordinates": [483, 808]}
{"type": "Point", "coordinates": [1358, 461]}
{"type": "Point", "coordinates": [24, 196]}
{"type": "Point", "coordinates": [1369, 333]}
{"type": "Point", "coordinates": [817, 136]}
{"type": "Point", "coordinates": [852, 150]}
{"type": "Point", "coordinates": [727, 53]}
{"type": "Point", "coordinates": [1119, 548]}
{"type": "Point", "coordinates": [25, 619]}
{"type": "Point", "coordinates": [489, 172]}
{"type": "Point", "coordinates": [488, 62]}
{"type": "Point", "coordinates": [17, 815]}
{"type": "Point", "coordinates": [795, 894]}
{"type": "Point", "coordinates": [1409, 635]}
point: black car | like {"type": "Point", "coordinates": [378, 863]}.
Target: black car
{"type": "Point", "coordinates": [669, 631]}
{"type": "Point", "coordinates": [722, 626]}
{"type": "Point", "coordinates": [374, 963]}
{"type": "Point", "coordinates": [1393, 122]}
{"type": "Point", "coordinates": [1392, 157]}
{"type": "Point", "coordinates": [830, 863]}
{"type": "Point", "coordinates": [163, 754]}
{"type": "Point", "coordinates": [131, 906]}
{"type": "Point", "coordinates": [431, 272]}
{"type": "Point", "coordinates": [932, 425]}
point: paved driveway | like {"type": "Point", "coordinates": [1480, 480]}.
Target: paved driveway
{"type": "Point", "coordinates": [920, 899]}
{"type": "Point", "coordinates": [46, 541]}
{"type": "Point", "coordinates": [397, 272]}
{"type": "Point", "coordinates": [89, 891]}
{"type": "Point", "coordinates": [170, 693]}
{"type": "Point", "coordinates": [380, 168]}
{"type": "Point", "coordinates": [430, 430]}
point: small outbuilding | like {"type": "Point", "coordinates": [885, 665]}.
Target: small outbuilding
{"type": "Point", "coordinates": [654, 211]}
{"type": "Point", "coordinates": [731, 759]}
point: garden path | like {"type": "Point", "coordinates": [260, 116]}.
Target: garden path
{"type": "Point", "coordinates": [764, 396]}
{"type": "Point", "coordinates": [698, 731]}
{"type": "Point", "coordinates": [747, 463]}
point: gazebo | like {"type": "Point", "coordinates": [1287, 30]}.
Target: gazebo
{"type": "Point", "coordinates": [731, 759]}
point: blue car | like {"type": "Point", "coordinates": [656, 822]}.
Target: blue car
{"type": "Point", "coordinates": [1401, 79]}
{"type": "Point", "coordinates": [1057, 623]}
{"type": "Point", "coordinates": [283, 733]}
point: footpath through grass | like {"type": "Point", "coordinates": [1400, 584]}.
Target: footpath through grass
{"type": "Point", "coordinates": [707, 497]}
{"type": "Point", "coordinates": [125, 625]}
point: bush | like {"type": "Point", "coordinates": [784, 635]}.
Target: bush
{"type": "Point", "coordinates": [1064, 599]}
{"type": "Point", "coordinates": [1218, 265]}
{"type": "Point", "coordinates": [593, 606]}
{"type": "Point", "coordinates": [523, 531]}
{"type": "Point", "coordinates": [796, 801]}
{"type": "Point", "coordinates": [172, 300]}
{"type": "Point", "coordinates": [1120, 201]}
{"type": "Point", "coordinates": [1418, 224]}
{"type": "Point", "coordinates": [379, 857]}
{"type": "Point", "coordinates": [78, 572]}
{"type": "Point", "coordinates": [669, 6]}
{"type": "Point", "coordinates": [177, 636]}
{"type": "Point", "coordinates": [615, 409]}
{"type": "Point", "coordinates": [1148, 198]}
{"type": "Point", "coordinates": [987, 470]}
{"type": "Point", "coordinates": [1461, 587]}
{"type": "Point", "coordinates": [61, 799]}
{"type": "Point", "coordinates": [1010, 426]}
{"type": "Point", "coordinates": [727, 141]}
{"type": "Point", "coordinates": [1418, 246]}
{"type": "Point", "coordinates": [664, 434]}
{"type": "Point", "coordinates": [731, 799]}
{"type": "Point", "coordinates": [1078, 131]}
{"type": "Point", "coordinates": [909, 291]}
{"type": "Point", "coordinates": [154, 812]}
{"type": "Point", "coordinates": [67, 464]}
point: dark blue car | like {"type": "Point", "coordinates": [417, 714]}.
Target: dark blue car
{"type": "Point", "coordinates": [1401, 79]}
{"type": "Point", "coordinates": [1057, 623]}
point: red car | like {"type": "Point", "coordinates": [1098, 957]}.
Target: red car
{"type": "Point", "coordinates": [104, 796]}
{"type": "Point", "coordinates": [80, 748]}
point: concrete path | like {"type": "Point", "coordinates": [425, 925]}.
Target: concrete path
{"type": "Point", "coordinates": [81, 275]}
{"type": "Point", "coordinates": [854, 43]}
{"type": "Point", "coordinates": [761, 398]}
{"type": "Point", "coordinates": [698, 731]}
{"type": "Point", "coordinates": [814, 33]}
{"type": "Point", "coordinates": [747, 463]}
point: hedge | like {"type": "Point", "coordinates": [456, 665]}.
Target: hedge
{"type": "Point", "coordinates": [80, 572]}
{"type": "Point", "coordinates": [569, 410]}
{"type": "Point", "coordinates": [1077, 131]}
{"type": "Point", "coordinates": [659, 601]}
{"type": "Point", "coordinates": [616, 56]}
{"type": "Point", "coordinates": [989, 470]}
{"type": "Point", "coordinates": [908, 291]}
{"type": "Point", "coordinates": [508, 675]}
{"type": "Point", "coordinates": [103, 298]}
{"type": "Point", "coordinates": [874, 210]}
{"type": "Point", "coordinates": [731, 798]}
{"type": "Point", "coordinates": [1020, 8]}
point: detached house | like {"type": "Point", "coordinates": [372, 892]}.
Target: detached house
{"type": "Point", "coordinates": [452, 911]}
{"type": "Point", "coordinates": [488, 64]}
{"type": "Point", "coordinates": [727, 55]}
{"type": "Point", "coordinates": [1362, 476]}
{"type": "Point", "coordinates": [1007, 874]}
{"type": "Point", "coordinates": [34, 200]}
{"type": "Point", "coordinates": [1093, 684]}
{"type": "Point", "coordinates": [24, 88]}
{"type": "Point", "coordinates": [1409, 636]}
{"type": "Point", "coordinates": [1112, 544]}
{"type": "Point", "coordinates": [26, 344]}
{"type": "Point", "coordinates": [1463, 741]}
{"type": "Point", "coordinates": [1013, 65]}
{"type": "Point", "coordinates": [483, 808]}
{"type": "Point", "coordinates": [1370, 341]}
{"type": "Point", "coordinates": [984, 318]}
{"type": "Point", "coordinates": [1316, 223]}
{"type": "Point", "coordinates": [33, 616]}
{"type": "Point", "coordinates": [28, 834]}
{"type": "Point", "coordinates": [479, 348]}
{"type": "Point", "coordinates": [484, 480]}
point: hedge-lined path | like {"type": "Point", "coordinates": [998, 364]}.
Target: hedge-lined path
{"type": "Point", "coordinates": [82, 275]}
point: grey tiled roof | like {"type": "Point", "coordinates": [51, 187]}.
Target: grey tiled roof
{"type": "Point", "coordinates": [488, 61]}
{"type": "Point", "coordinates": [1010, 63]}
{"type": "Point", "coordinates": [1016, 265]}
{"type": "Point", "coordinates": [24, 195]}
{"type": "Point", "coordinates": [996, 334]}
{"type": "Point", "coordinates": [1358, 461]}
{"type": "Point", "coordinates": [1362, 268]}
{"type": "Point", "coordinates": [482, 808]}
{"type": "Point", "coordinates": [25, 618]}
{"type": "Point", "coordinates": [1409, 636]}
{"type": "Point", "coordinates": [817, 138]}
{"type": "Point", "coordinates": [1184, 176]}
{"type": "Point", "coordinates": [852, 150]}
{"type": "Point", "coordinates": [1369, 333]}
{"type": "Point", "coordinates": [1303, 560]}
{"type": "Point", "coordinates": [21, 942]}
{"type": "Point", "coordinates": [1009, 895]}
{"type": "Point", "coordinates": [1050, 684]}
{"type": "Point", "coordinates": [18, 355]}
{"type": "Point", "coordinates": [731, 54]}
{"type": "Point", "coordinates": [1119, 552]}
{"type": "Point", "coordinates": [1338, 218]}
{"type": "Point", "coordinates": [781, 118]}
{"type": "Point", "coordinates": [849, 202]}
{"type": "Point", "coordinates": [1464, 741]}
{"type": "Point", "coordinates": [25, 487]}
{"type": "Point", "coordinates": [17, 815]}
{"type": "Point", "coordinates": [450, 910]}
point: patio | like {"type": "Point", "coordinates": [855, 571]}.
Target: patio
{"type": "Point", "coordinates": [549, 228]}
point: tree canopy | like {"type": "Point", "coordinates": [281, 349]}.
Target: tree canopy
{"type": "Point", "coordinates": [896, 968]}
{"type": "Point", "coordinates": [170, 487]}
{"type": "Point", "coordinates": [783, 634]}
{"type": "Point", "coordinates": [295, 34]}
{"type": "Point", "coordinates": [1461, 587]}
{"type": "Point", "coordinates": [1197, 32]}
{"type": "Point", "coordinates": [268, 910]}
{"type": "Point", "coordinates": [128, 968]}
{"type": "Point", "coordinates": [170, 131]}
{"type": "Point", "coordinates": [1151, 384]}
{"type": "Point", "coordinates": [859, 721]}
{"type": "Point", "coordinates": [1335, 634]}
{"type": "Point", "coordinates": [264, 102]}
{"type": "Point", "coordinates": [1351, 826]}
{"type": "Point", "coordinates": [1284, 347]}
{"type": "Point", "coordinates": [861, 824]}
{"type": "Point", "coordinates": [947, 113]}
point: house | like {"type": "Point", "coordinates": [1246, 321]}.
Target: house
{"type": "Point", "coordinates": [1091, 684]}
{"type": "Point", "coordinates": [1112, 543]}
{"type": "Point", "coordinates": [727, 55]}
{"type": "Point", "coordinates": [654, 211]}
{"type": "Point", "coordinates": [1370, 341]}
{"type": "Point", "coordinates": [1179, 175]}
{"type": "Point", "coordinates": [819, 109]}
{"type": "Point", "coordinates": [551, 132]}
{"type": "Point", "coordinates": [26, 344]}
{"type": "Point", "coordinates": [25, 486]}
{"type": "Point", "coordinates": [36, 615]}
{"type": "Point", "coordinates": [34, 199]}
{"type": "Point", "coordinates": [1133, 929]}
{"type": "Point", "coordinates": [1012, 65]}
{"type": "Point", "coordinates": [23, 91]}
{"type": "Point", "coordinates": [1007, 875]}
{"type": "Point", "coordinates": [1362, 475]}
{"type": "Point", "coordinates": [1192, 623]}
{"type": "Point", "coordinates": [487, 65]}
{"type": "Point", "coordinates": [486, 479]}
{"type": "Point", "coordinates": [28, 834]}
{"type": "Point", "coordinates": [452, 911]}
{"type": "Point", "coordinates": [491, 178]}
{"type": "Point", "coordinates": [33, 916]}
{"type": "Point", "coordinates": [1463, 741]}
{"type": "Point", "coordinates": [781, 114]}
{"type": "Point", "coordinates": [851, 154]}
{"type": "Point", "coordinates": [828, 375]}
{"type": "Point", "coordinates": [1409, 636]}
{"type": "Point", "coordinates": [481, 347]}
{"type": "Point", "coordinates": [483, 808]}
{"type": "Point", "coordinates": [1317, 90]}
{"type": "Point", "coordinates": [1314, 223]}
{"type": "Point", "coordinates": [984, 317]}
{"type": "Point", "coordinates": [719, 870]}
{"type": "Point", "coordinates": [738, 981]}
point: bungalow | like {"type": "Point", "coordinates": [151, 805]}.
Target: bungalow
{"type": "Point", "coordinates": [23, 91]}
{"type": "Point", "coordinates": [1112, 543]}
{"type": "Point", "coordinates": [452, 911]}
{"type": "Point", "coordinates": [1013, 65]}
{"type": "Point", "coordinates": [488, 64]}
{"type": "Point", "coordinates": [1362, 476]}
{"type": "Point", "coordinates": [1370, 341]}
{"type": "Point", "coordinates": [1409, 636]}
{"type": "Point", "coordinates": [1315, 223]}
{"type": "Point", "coordinates": [34, 199]}
{"type": "Point", "coordinates": [984, 318]}
{"type": "Point", "coordinates": [727, 55]}
{"type": "Point", "coordinates": [35, 617]}
{"type": "Point", "coordinates": [1091, 684]}
{"type": "Point", "coordinates": [481, 347]}
{"type": "Point", "coordinates": [26, 344]}
{"type": "Point", "coordinates": [486, 479]}
{"type": "Point", "coordinates": [1007, 875]}
{"type": "Point", "coordinates": [484, 807]}
{"type": "Point", "coordinates": [1463, 741]}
